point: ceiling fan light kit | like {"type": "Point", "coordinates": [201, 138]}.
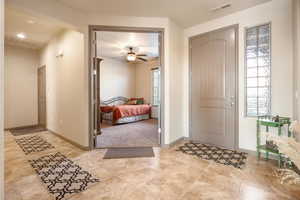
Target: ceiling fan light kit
{"type": "Point", "coordinates": [132, 56]}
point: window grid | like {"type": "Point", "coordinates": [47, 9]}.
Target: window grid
{"type": "Point", "coordinates": [258, 67]}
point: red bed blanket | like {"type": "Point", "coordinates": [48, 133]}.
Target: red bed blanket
{"type": "Point", "coordinates": [121, 111]}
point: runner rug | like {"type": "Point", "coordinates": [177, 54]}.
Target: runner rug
{"type": "Point", "coordinates": [62, 176]}
{"type": "Point", "coordinates": [216, 154]}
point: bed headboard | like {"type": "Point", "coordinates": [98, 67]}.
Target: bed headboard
{"type": "Point", "coordinates": [115, 101]}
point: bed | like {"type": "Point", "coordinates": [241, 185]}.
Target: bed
{"type": "Point", "coordinates": [117, 111]}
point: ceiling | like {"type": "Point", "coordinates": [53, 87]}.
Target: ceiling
{"type": "Point", "coordinates": [185, 12]}
{"type": "Point", "coordinates": [115, 44]}
{"type": "Point", "coordinates": [38, 31]}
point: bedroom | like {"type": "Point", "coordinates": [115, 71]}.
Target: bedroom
{"type": "Point", "coordinates": [129, 89]}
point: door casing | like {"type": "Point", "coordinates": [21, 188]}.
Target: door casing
{"type": "Point", "coordinates": [42, 72]}
{"type": "Point", "coordinates": [236, 118]}
{"type": "Point", "coordinates": [92, 29]}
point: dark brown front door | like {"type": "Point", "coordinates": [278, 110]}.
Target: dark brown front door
{"type": "Point", "coordinates": [213, 87]}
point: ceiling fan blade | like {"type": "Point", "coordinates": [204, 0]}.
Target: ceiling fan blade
{"type": "Point", "coordinates": [143, 59]}
{"type": "Point", "coordinates": [141, 54]}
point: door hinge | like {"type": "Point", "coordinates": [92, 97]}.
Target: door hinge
{"type": "Point", "coordinates": [95, 132]}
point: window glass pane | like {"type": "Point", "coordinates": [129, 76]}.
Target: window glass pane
{"type": "Point", "coordinates": [251, 37]}
{"type": "Point", "coordinates": [251, 82]}
{"type": "Point", "coordinates": [264, 51]}
{"type": "Point", "coordinates": [252, 62]}
{"type": "Point", "coordinates": [263, 61]}
{"type": "Point", "coordinates": [252, 102]}
{"type": "Point", "coordinates": [264, 71]}
{"type": "Point", "coordinates": [252, 106]}
{"type": "Point", "coordinates": [252, 92]}
{"type": "Point", "coordinates": [262, 103]}
{"type": "Point", "coordinates": [264, 30]}
{"type": "Point", "coordinates": [263, 81]}
{"type": "Point", "coordinates": [251, 52]}
{"type": "Point", "coordinates": [155, 83]}
{"type": "Point", "coordinates": [263, 40]}
{"type": "Point", "coordinates": [264, 92]}
{"type": "Point", "coordinates": [252, 72]}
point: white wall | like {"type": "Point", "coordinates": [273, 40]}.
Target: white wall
{"type": "Point", "coordinates": [67, 103]}
{"type": "Point", "coordinates": [144, 79]}
{"type": "Point", "coordinates": [279, 12]}
{"type": "Point", "coordinates": [117, 78]}
{"type": "Point", "coordinates": [1, 99]}
{"type": "Point", "coordinates": [21, 99]}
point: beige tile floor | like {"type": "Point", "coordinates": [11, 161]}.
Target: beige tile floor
{"type": "Point", "coordinates": [171, 175]}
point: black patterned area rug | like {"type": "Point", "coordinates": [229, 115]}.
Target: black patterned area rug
{"type": "Point", "coordinates": [26, 130]}
{"type": "Point", "coordinates": [216, 154]}
{"type": "Point", "coordinates": [32, 144]}
{"type": "Point", "coordinates": [62, 176]}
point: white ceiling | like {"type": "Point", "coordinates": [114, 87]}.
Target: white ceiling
{"type": "Point", "coordinates": [38, 31]}
{"type": "Point", "coordinates": [185, 12]}
{"type": "Point", "coordinates": [115, 44]}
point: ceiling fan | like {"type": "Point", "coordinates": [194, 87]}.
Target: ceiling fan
{"type": "Point", "coordinates": [132, 56]}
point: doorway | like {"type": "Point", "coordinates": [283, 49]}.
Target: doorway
{"type": "Point", "coordinates": [214, 88]}
{"type": "Point", "coordinates": [125, 131]}
{"type": "Point", "coordinates": [42, 106]}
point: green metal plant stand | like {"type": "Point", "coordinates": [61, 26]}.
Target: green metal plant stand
{"type": "Point", "coordinates": [268, 121]}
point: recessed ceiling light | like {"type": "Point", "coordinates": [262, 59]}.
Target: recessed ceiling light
{"type": "Point", "coordinates": [30, 21]}
{"type": "Point", "coordinates": [21, 35]}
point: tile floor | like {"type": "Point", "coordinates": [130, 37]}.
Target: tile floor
{"type": "Point", "coordinates": [171, 175]}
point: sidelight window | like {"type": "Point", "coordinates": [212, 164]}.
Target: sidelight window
{"type": "Point", "coordinates": [155, 87]}
{"type": "Point", "coordinates": [258, 70]}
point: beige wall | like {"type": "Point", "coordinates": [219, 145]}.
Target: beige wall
{"type": "Point", "coordinates": [67, 105]}
{"type": "Point", "coordinates": [1, 99]}
{"type": "Point", "coordinates": [21, 103]}
{"type": "Point", "coordinates": [279, 12]}
{"type": "Point", "coordinates": [143, 79]}
{"type": "Point", "coordinates": [117, 78]}
{"type": "Point", "coordinates": [176, 82]}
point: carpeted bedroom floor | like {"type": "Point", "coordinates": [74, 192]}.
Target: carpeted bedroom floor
{"type": "Point", "coordinates": [137, 134]}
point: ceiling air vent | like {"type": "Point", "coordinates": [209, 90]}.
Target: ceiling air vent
{"type": "Point", "coordinates": [227, 5]}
